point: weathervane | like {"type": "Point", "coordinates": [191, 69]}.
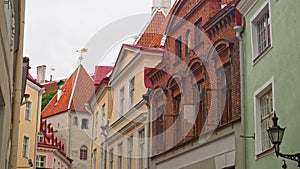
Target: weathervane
{"type": "Point", "coordinates": [81, 51]}
{"type": "Point", "coordinates": [51, 74]}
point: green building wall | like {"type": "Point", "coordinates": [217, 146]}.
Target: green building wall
{"type": "Point", "coordinates": [282, 63]}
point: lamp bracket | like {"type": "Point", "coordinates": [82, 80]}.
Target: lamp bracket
{"type": "Point", "coordinates": [294, 157]}
{"type": "Point", "coordinates": [246, 137]}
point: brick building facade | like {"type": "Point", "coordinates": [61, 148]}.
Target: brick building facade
{"type": "Point", "coordinates": [196, 96]}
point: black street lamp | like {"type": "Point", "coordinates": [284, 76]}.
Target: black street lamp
{"type": "Point", "coordinates": [276, 135]}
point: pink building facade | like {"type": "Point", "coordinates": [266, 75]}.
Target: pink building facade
{"type": "Point", "coordinates": [50, 151]}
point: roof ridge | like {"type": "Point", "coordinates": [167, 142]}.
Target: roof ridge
{"type": "Point", "coordinates": [147, 24]}
{"type": "Point", "coordinates": [74, 86]}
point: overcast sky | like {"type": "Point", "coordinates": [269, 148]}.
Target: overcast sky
{"type": "Point", "coordinates": [55, 29]}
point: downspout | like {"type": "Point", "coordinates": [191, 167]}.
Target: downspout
{"type": "Point", "coordinates": [88, 108]}
{"type": "Point", "coordinates": [16, 52]}
{"type": "Point", "coordinates": [38, 119]}
{"type": "Point", "coordinates": [239, 30]}
{"type": "Point", "coordinates": [147, 102]}
{"type": "Point", "coordinates": [16, 112]}
{"type": "Point", "coordinates": [70, 121]}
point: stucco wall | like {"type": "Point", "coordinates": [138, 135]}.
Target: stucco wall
{"type": "Point", "coordinates": [281, 63]}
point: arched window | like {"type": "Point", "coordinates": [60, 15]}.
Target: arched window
{"type": "Point", "coordinates": [84, 123]}
{"type": "Point", "coordinates": [188, 42]}
{"type": "Point", "coordinates": [83, 153]}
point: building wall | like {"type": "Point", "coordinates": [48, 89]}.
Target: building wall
{"type": "Point", "coordinates": [72, 136]}
{"type": "Point", "coordinates": [52, 154]}
{"type": "Point", "coordinates": [80, 137]}
{"type": "Point", "coordinates": [28, 128]}
{"type": "Point", "coordinates": [280, 64]}
{"type": "Point", "coordinates": [103, 97]}
{"type": "Point", "coordinates": [210, 152]}
{"type": "Point", "coordinates": [134, 118]}
{"type": "Point", "coordinates": [7, 72]}
{"type": "Point", "coordinates": [218, 50]}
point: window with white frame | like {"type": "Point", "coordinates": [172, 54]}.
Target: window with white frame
{"type": "Point", "coordinates": [28, 110]}
{"type": "Point", "coordinates": [130, 152]}
{"type": "Point", "coordinates": [264, 106]}
{"type": "Point", "coordinates": [121, 100]}
{"type": "Point", "coordinates": [41, 161]}
{"type": "Point", "coordinates": [26, 147]}
{"type": "Point", "coordinates": [141, 161]}
{"type": "Point", "coordinates": [94, 158]}
{"type": "Point", "coordinates": [131, 92]}
{"type": "Point", "coordinates": [54, 163]}
{"type": "Point", "coordinates": [103, 113]}
{"type": "Point", "coordinates": [120, 158]}
{"type": "Point", "coordinates": [58, 165]}
{"type": "Point", "coordinates": [261, 31]}
{"type": "Point", "coordinates": [40, 137]}
{"type": "Point", "coordinates": [111, 158]}
{"type": "Point", "coordinates": [84, 123]}
{"type": "Point", "coordinates": [96, 125]}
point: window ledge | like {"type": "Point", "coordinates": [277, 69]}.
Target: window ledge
{"type": "Point", "coordinates": [264, 153]}
{"type": "Point", "coordinates": [256, 59]}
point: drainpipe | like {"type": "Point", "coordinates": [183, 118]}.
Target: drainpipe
{"type": "Point", "coordinates": [146, 98]}
{"type": "Point", "coordinates": [88, 108]}
{"type": "Point", "coordinates": [239, 30]}
{"type": "Point", "coordinates": [38, 119]}
{"type": "Point", "coordinates": [16, 111]}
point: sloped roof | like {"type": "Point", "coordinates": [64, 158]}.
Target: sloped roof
{"type": "Point", "coordinates": [101, 72]}
{"type": "Point", "coordinates": [75, 93]}
{"type": "Point", "coordinates": [152, 29]}
{"type": "Point", "coordinates": [30, 78]}
{"type": "Point", "coordinates": [157, 42]}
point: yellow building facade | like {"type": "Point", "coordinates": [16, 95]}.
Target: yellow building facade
{"type": "Point", "coordinates": [29, 122]}
{"type": "Point", "coordinates": [127, 145]}
{"type": "Point", "coordinates": [102, 108]}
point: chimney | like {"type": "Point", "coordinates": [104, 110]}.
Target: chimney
{"type": "Point", "coordinates": [41, 74]}
{"type": "Point", "coordinates": [164, 5]}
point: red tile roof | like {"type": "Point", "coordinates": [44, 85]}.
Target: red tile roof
{"type": "Point", "coordinates": [76, 92]}
{"type": "Point", "coordinates": [101, 72]}
{"type": "Point", "coordinates": [163, 27]}
{"type": "Point", "coordinates": [152, 30]}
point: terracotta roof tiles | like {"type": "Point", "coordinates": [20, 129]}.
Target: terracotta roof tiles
{"type": "Point", "coordinates": [76, 92]}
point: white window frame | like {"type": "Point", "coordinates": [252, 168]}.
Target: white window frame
{"type": "Point", "coordinates": [38, 161]}
{"type": "Point", "coordinates": [96, 126]}
{"type": "Point", "coordinates": [122, 100]}
{"type": "Point", "coordinates": [131, 92]}
{"type": "Point", "coordinates": [28, 111]}
{"type": "Point", "coordinates": [256, 56]}
{"type": "Point", "coordinates": [269, 85]}
{"type": "Point", "coordinates": [54, 163]}
{"type": "Point", "coordinates": [25, 147]}
{"type": "Point", "coordinates": [58, 165]}
{"type": "Point", "coordinates": [141, 143]}
{"type": "Point", "coordinates": [130, 145]}
{"type": "Point", "coordinates": [40, 137]}
{"type": "Point", "coordinates": [94, 158]}
{"type": "Point", "coordinates": [120, 156]}
{"type": "Point", "coordinates": [86, 126]}
{"type": "Point", "coordinates": [111, 158]}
